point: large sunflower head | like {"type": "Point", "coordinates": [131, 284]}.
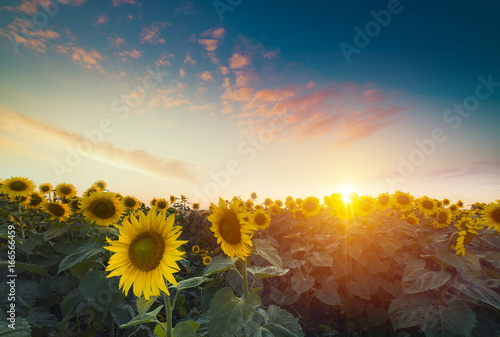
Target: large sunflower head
{"type": "Point", "coordinates": [65, 190]}
{"type": "Point", "coordinates": [310, 206]}
{"type": "Point", "coordinates": [490, 215]}
{"type": "Point", "coordinates": [146, 253]}
{"type": "Point", "coordinates": [161, 205]}
{"type": "Point", "coordinates": [57, 210]}
{"type": "Point", "coordinates": [103, 208]}
{"type": "Point", "coordinates": [231, 229]}
{"type": "Point", "coordinates": [274, 209]}
{"type": "Point", "coordinates": [365, 205]}
{"type": "Point", "coordinates": [260, 219]}
{"type": "Point", "coordinates": [36, 200]}
{"type": "Point", "coordinates": [443, 218]}
{"type": "Point", "coordinates": [426, 205]}
{"type": "Point", "coordinates": [17, 187]}
{"type": "Point", "coordinates": [130, 202]}
{"type": "Point", "coordinates": [45, 188]}
{"type": "Point", "coordinates": [402, 201]}
{"type": "Point", "coordinates": [383, 201]}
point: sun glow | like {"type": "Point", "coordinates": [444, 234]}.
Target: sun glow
{"type": "Point", "coordinates": [346, 191]}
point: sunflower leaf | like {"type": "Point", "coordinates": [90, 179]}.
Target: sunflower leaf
{"type": "Point", "coordinates": [190, 283]}
{"type": "Point", "coordinates": [143, 305]}
{"type": "Point", "coordinates": [145, 318]}
{"type": "Point", "coordinates": [417, 278]}
{"type": "Point", "coordinates": [90, 249]}
{"type": "Point", "coordinates": [268, 252]}
{"type": "Point", "coordinates": [218, 265]}
{"type": "Point", "coordinates": [269, 271]}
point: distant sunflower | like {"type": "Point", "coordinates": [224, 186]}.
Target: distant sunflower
{"type": "Point", "coordinates": [291, 205]}
{"type": "Point", "coordinates": [153, 201]}
{"type": "Point", "coordinates": [130, 203]}
{"type": "Point", "coordinates": [45, 188]}
{"type": "Point", "coordinates": [249, 204]}
{"type": "Point", "coordinates": [490, 216]}
{"type": "Point", "coordinates": [231, 229]}
{"type": "Point", "coordinates": [161, 205]}
{"type": "Point", "coordinates": [365, 205]}
{"type": "Point", "coordinates": [90, 191]}
{"type": "Point", "coordinates": [257, 207]}
{"type": "Point", "coordinates": [36, 200]}
{"type": "Point", "coordinates": [103, 208]}
{"type": "Point", "coordinates": [383, 201]}
{"type": "Point", "coordinates": [446, 201]}
{"type": "Point", "coordinates": [289, 198]}
{"type": "Point", "coordinates": [453, 208]}
{"type": "Point", "coordinates": [18, 187]}
{"type": "Point", "coordinates": [145, 254]}
{"type": "Point", "coordinates": [195, 249]}
{"type": "Point", "coordinates": [260, 219]}
{"type": "Point", "coordinates": [65, 190]}
{"type": "Point", "coordinates": [402, 201]}
{"type": "Point", "coordinates": [460, 203]}
{"type": "Point", "coordinates": [310, 206]}
{"type": "Point", "coordinates": [298, 201]}
{"type": "Point", "coordinates": [253, 195]}
{"type": "Point", "coordinates": [207, 260]}
{"type": "Point", "coordinates": [335, 201]}
{"type": "Point", "coordinates": [56, 210]}
{"type": "Point", "coordinates": [100, 185]}
{"type": "Point", "coordinates": [426, 205]}
{"type": "Point", "coordinates": [74, 203]}
{"type": "Point", "coordinates": [274, 209]}
{"type": "Point", "coordinates": [279, 203]}
{"type": "Point", "coordinates": [412, 219]}
{"type": "Point", "coordinates": [196, 206]}
{"type": "Point", "coordinates": [443, 216]}
{"type": "Point", "coordinates": [172, 199]}
{"type": "Point", "coordinates": [268, 202]}
{"type": "Point", "coordinates": [183, 197]}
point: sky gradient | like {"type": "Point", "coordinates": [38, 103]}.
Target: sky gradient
{"type": "Point", "coordinates": [224, 98]}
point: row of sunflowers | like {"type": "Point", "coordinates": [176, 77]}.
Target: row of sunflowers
{"type": "Point", "coordinates": [355, 265]}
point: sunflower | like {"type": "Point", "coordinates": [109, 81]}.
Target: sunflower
{"type": "Point", "coordinates": [402, 201]}
{"type": "Point", "coordinates": [253, 195]}
{"type": "Point", "coordinates": [161, 205]}
{"type": "Point", "coordinates": [207, 260]}
{"type": "Point", "coordinates": [446, 201]}
{"type": "Point", "coordinates": [365, 205]}
{"type": "Point", "coordinates": [103, 208]}
{"type": "Point", "coordinates": [412, 219]}
{"type": "Point", "coordinates": [260, 219]}
{"type": "Point", "coordinates": [490, 216]}
{"type": "Point", "coordinates": [298, 201]}
{"type": "Point", "coordinates": [195, 249]}
{"type": "Point", "coordinates": [231, 229]}
{"type": "Point", "coordinates": [90, 190]}
{"type": "Point", "coordinates": [45, 188]}
{"type": "Point", "coordinates": [196, 205]}
{"type": "Point", "coordinates": [336, 200]}
{"type": "Point", "coordinates": [153, 201]}
{"type": "Point", "coordinates": [257, 207]}
{"type": "Point", "coordinates": [172, 199]}
{"type": "Point", "coordinates": [268, 202]}
{"type": "Point", "coordinates": [426, 205]}
{"type": "Point", "coordinates": [18, 187]}
{"type": "Point", "coordinates": [460, 203]}
{"type": "Point", "coordinates": [310, 206]}
{"type": "Point", "coordinates": [36, 200]}
{"type": "Point", "coordinates": [274, 209]}
{"type": "Point", "coordinates": [74, 203]}
{"type": "Point", "coordinates": [100, 185]}
{"type": "Point", "coordinates": [145, 254]}
{"type": "Point", "coordinates": [443, 216]}
{"type": "Point", "coordinates": [383, 201]}
{"type": "Point", "coordinates": [289, 198]}
{"type": "Point", "coordinates": [291, 205]}
{"type": "Point", "coordinates": [130, 202]}
{"type": "Point", "coordinates": [279, 203]}
{"type": "Point", "coordinates": [183, 197]}
{"type": "Point", "coordinates": [249, 204]}
{"type": "Point", "coordinates": [65, 190]}
{"type": "Point", "coordinates": [453, 208]}
{"type": "Point", "coordinates": [56, 210]}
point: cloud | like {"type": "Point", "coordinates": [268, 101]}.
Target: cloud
{"type": "Point", "coordinates": [474, 168]}
{"type": "Point", "coordinates": [121, 2]}
{"type": "Point", "coordinates": [22, 32]}
{"type": "Point", "coordinates": [206, 76]}
{"type": "Point", "coordinates": [134, 53]}
{"type": "Point", "coordinates": [239, 61]}
{"type": "Point", "coordinates": [31, 7]}
{"type": "Point", "coordinates": [187, 8]}
{"type": "Point", "coordinates": [188, 59]}
{"type": "Point", "coordinates": [152, 34]}
{"type": "Point", "coordinates": [208, 44]}
{"type": "Point", "coordinates": [103, 18]}
{"type": "Point", "coordinates": [182, 73]}
{"type": "Point", "coordinates": [373, 96]}
{"type": "Point", "coordinates": [37, 132]}
{"type": "Point", "coordinates": [116, 41]}
{"type": "Point", "coordinates": [163, 60]}
{"type": "Point", "coordinates": [214, 33]}
{"type": "Point", "coordinates": [90, 59]}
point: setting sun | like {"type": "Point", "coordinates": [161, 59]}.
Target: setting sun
{"type": "Point", "coordinates": [346, 191]}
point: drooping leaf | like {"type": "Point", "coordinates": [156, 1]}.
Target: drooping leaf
{"type": "Point", "coordinates": [301, 284]}
{"type": "Point", "coordinates": [268, 252]}
{"type": "Point", "coordinates": [218, 265]}
{"type": "Point", "coordinates": [478, 291]}
{"type": "Point", "coordinates": [454, 320]}
{"type": "Point", "coordinates": [269, 271]}
{"type": "Point", "coordinates": [90, 249]}
{"type": "Point", "coordinates": [467, 264]}
{"type": "Point", "coordinates": [321, 259]}
{"type": "Point", "coordinates": [26, 266]}
{"type": "Point", "coordinates": [408, 311]}
{"type": "Point", "coordinates": [190, 283]}
{"type": "Point", "coordinates": [417, 278]}
{"type": "Point", "coordinates": [145, 318]}
{"type": "Point", "coordinates": [359, 289]}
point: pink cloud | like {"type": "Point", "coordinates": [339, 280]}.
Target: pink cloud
{"type": "Point", "coordinates": [134, 53]}
{"type": "Point", "coordinates": [206, 76]}
{"type": "Point", "coordinates": [182, 73]}
{"type": "Point", "coordinates": [215, 33]}
{"type": "Point", "coordinates": [103, 18]}
{"type": "Point", "coordinates": [238, 95]}
{"type": "Point", "coordinates": [163, 60]}
{"type": "Point", "coordinates": [188, 59]}
{"type": "Point", "coordinates": [187, 8]}
{"type": "Point", "coordinates": [21, 34]}
{"type": "Point", "coordinates": [373, 96]}
{"type": "Point", "coordinates": [121, 2]}
{"type": "Point", "coordinates": [208, 44]}
{"type": "Point", "coordinates": [213, 58]}
{"type": "Point", "coordinates": [152, 34]}
{"type": "Point", "coordinates": [223, 70]}
{"type": "Point", "coordinates": [90, 59]}
{"type": "Point", "coordinates": [270, 54]}
{"type": "Point", "coordinates": [246, 78]}
{"type": "Point", "coordinates": [239, 61]}
{"type": "Point", "coordinates": [130, 17]}
{"type": "Point", "coordinates": [31, 7]}
{"type": "Point", "coordinates": [116, 41]}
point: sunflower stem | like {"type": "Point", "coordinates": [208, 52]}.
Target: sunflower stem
{"type": "Point", "coordinates": [21, 218]}
{"type": "Point", "coordinates": [245, 280]}
{"type": "Point", "coordinates": [168, 310]}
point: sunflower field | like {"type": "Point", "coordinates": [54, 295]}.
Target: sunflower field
{"type": "Point", "coordinates": [99, 263]}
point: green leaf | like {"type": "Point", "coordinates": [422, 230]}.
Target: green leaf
{"type": "Point", "coordinates": [229, 314]}
{"type": "Point", "coordinates": [72, 304]}
{"type": "Point", "coordinates": [321, 259]}
{"type": "Point", "coordinates": [184, 329]}
{"type": "Point", "coordinates": [55, 231]}
{"type": "Point", "coordinates": [218, 265]}
{"type": "Point", "coordinates": [145, 318]}
{"type": "Point", "coordinates": [353, 307]}
{"type": "Point", "coordinates": [92, 283]}
{"type": "Point", "coordinates": [328, 295]}
{"type": "Point", "coordinates": [493, 258]}
{"type": "Point", "coordinates": [288, 296]}
{"type": "Point", "coordinates": [478, 291]}
{"type": "Point", "coordinates": [26, 266]}
{"type": "Point", "coordinates": [457, 319]}
{"type": "Point", "coordinates": [67, 247]}
{"type": "Point", "coordinates": [468, 264]}
{"type": "Point", "coordinates": [376, 316]}
{"type": "Point", "coordinates": [90, 249]}
{"type": "Point", "coordinates": [269, 271]}
{"type": "Point", "coordinates": [301, 284]}
{"type": "Point", "coordinates": [417, 278]}
{"type": "Point", "coordinates": [22, 328]}
{"type": "Point", "coordinates": [268, 252]}
{"type": "Point", "coordinates": [190, 283]}
{"type": "Point", "coordinates": [360, 290]}
{"type": "Point", "coordinates": [281, 323]}
{"type": "Point", "coordinates": [408, 311]}
{"type": "Point", "coordinates": [143, 305]}
{"type": "Point", "coordinates": [41, 318]}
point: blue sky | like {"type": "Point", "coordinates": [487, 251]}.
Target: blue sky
{"type": "Point", "coordinates": [225, 98]}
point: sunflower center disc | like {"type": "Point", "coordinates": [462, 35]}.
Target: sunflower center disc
{"type": "Point", "coordinates": [442, 216]}
{"type": "Point", "coordinates": [18, 186]}
{"type": "Point", "coordinates": [129, 202]}
{"type": "Point", "coordinates": [65, 190]}
{"type": "Point", "coordinates": [35, 200]}
{"type": "Point", "coordinates": [229, 228]}
{"type": "Point", "coordinates": [427, 204]}
{"type": "Point", "coordinates": [56, 209]}
{"type": "Point", "coordinates": [403, 200]}
{"type": "Point", "coordinates": [103, 209]}
{"type": "Point", "coordinates": [45, 189]}
{"type": "Point", "coordinates": [260, 219]}
{"type": "Point", "coordinates": [383, 201]}
{"type": "Point", "coordinates": [496, 215]}
{"type": "Point", "coordinates": [309, 206]}
{"type": "Point", "coordinates": [146, 250]}
{"type": "Point", "coordinates": [161, 205]}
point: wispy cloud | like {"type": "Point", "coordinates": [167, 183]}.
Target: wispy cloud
{"type": "Point", "coordinates": [163, 60]}
{"type": "Point", "coordinates": [21, 33]}
{"type": "Point", "coordinates": [152, 34]}
{"type": "Point", "coordinates": [206, 76]}
{"type": "Point", "coordinates": [102, 19]}
{"type": "Point", "coordinates": [188, 59]}
{"type": "Point", "coordinates": [90, 59]}
{"type": "Point", "coordinates": [116, 41]}
{"type": "Point", "coordinates": [187, 8]}
{"type": "Point", "coordinates": [30, 7]}
{"type": "Point", "coordinates": [239, 61]}
{"type": "Point", "coordinates": [472, 169]}
{"type": "Point", "coordinates": [121, 2]}
{"type": "Point", "coordinates": [15, 123]}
